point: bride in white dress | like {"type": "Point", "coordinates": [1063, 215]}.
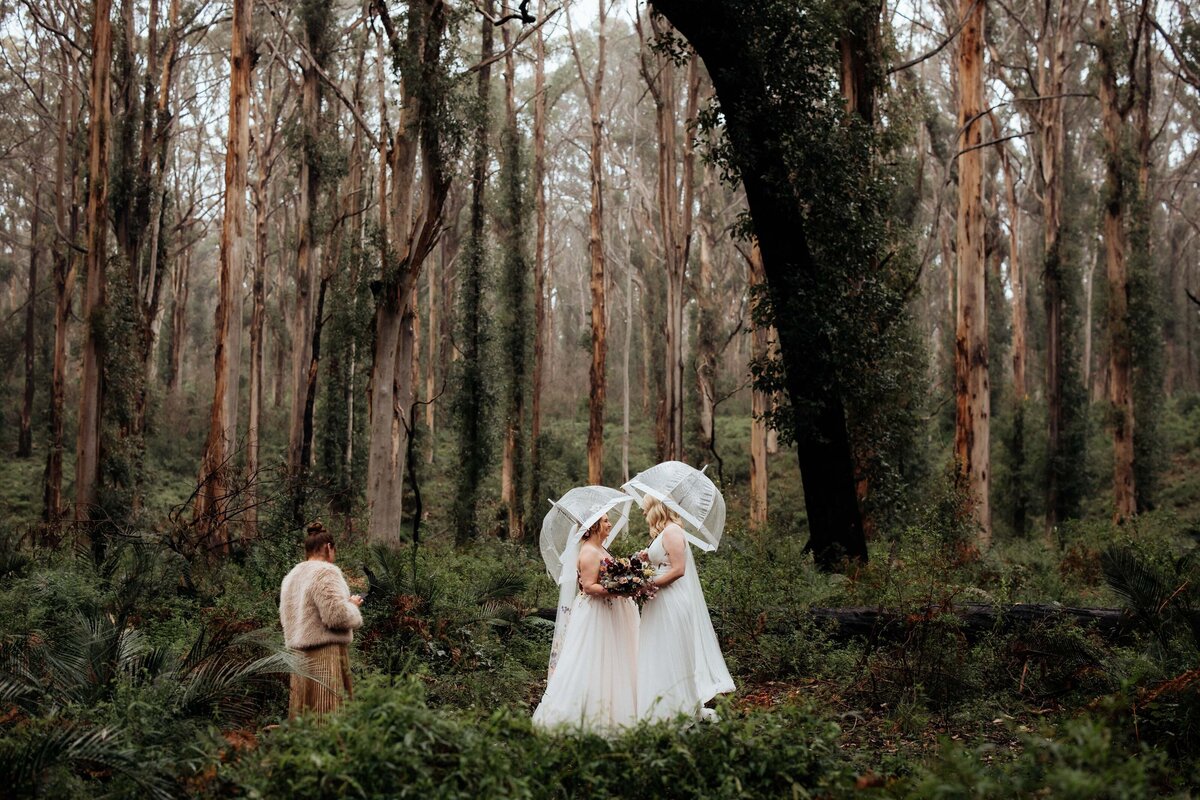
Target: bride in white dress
{"type": "Point", "coordinates": [679, 666]}
{"type": "Point", "coordinates": [592, 679]}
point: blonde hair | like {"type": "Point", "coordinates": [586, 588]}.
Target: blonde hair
{"type": "Point", "coordinates": [658, 516]}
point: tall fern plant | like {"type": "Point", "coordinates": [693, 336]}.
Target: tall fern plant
{"type": "Point", "coordinates": [1164, 596]}
{"type": "Point", "coordinates": [91, 699]}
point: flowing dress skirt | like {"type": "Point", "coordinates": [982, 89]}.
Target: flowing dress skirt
{"type": "Point", "coordinates": [593, 684]}
{"type": "Point", "coordinates": [680, 666]}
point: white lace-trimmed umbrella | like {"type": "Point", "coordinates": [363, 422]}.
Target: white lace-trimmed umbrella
{"type": "Point", "coordinates": [689, 493]}
{"type": "Point", "coordinates": [575, 512]}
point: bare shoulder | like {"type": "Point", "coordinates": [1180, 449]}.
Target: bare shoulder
{"type": "Point", "coordinates": [673, 535]}
{"type": "Point", "coordinates": [589, 556]}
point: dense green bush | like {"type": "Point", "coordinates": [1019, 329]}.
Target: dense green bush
{"type": "Point", "coordinates": [390, 743]}
{"type": "Point", "coordinates": [1083, 761]}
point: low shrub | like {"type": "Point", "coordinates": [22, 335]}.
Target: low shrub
{"type": "Point", "coordinates": [390, 743]}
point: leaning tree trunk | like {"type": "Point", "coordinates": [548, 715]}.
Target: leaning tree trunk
{"type": "Point", "coordinates": [972, 389]}
{"type": "Point", "coordinates": [91, 394]}
{"type": "Point", "coordinates": [212, 502]}
{"type": "Point", "coordinates": [729, 42]}
{"type": "Point", "coordinates": [1115, 248]}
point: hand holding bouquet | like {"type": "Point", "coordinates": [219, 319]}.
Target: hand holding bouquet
{"type": "Point", "coordinates": [628, 577]}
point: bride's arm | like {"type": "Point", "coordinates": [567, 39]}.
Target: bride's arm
{"type": "Point", "coordinates": [674, 542]}
{"type": "Point", "coordinates": [589, 573]}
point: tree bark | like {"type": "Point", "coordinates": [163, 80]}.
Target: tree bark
{"type": "Point", "coordinates": [1048, 122]}
{"type": "Point", "coordinates": [596, 374]}
{"type": "Point", "coordinates": [674, 195]}
{"type": "Point", "coordinates": [409, 237]}
{"type": "Point", "coordinates": [1016, 278]}
{"type": "Point", "coordinates": [65, 268]}
{"type": "Point", "coordinates": [972, 387]}
{"type": "Point", "coordinates": [513, 473]}
{"type": "Point", "coordinates": [539, 260]}
{"type": "Point", "coordinates": [307, 259]}
{"type": "Point", "coordinates": [726, 40]}
{"type": "Point", "coordinates": [1120, 365]}
{"type": "Point", "coordinates": [759, 405]}
{"type": "Point", "coordinates": [212, 502]}
{"type": "Point", "coordinates": [91, 395]}
{"type": "Point", "coordinates": [25, 434]}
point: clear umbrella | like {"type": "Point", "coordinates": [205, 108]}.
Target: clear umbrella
{"type": "Point", "coordinates": [575, 512]}
{"type": "Point", "coordinates": [689, 493]}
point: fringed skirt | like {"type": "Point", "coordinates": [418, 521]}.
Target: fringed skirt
{"type": "Point", "coordinates": [330, 666]}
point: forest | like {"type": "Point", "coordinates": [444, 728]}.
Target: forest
{"type": "Point", "coordinates": [915, 282]}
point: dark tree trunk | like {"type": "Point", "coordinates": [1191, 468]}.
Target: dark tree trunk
{"type": "Point", "coordinates": [725, 38]}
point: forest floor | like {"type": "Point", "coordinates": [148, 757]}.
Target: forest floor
{"type": "Point", "coordinates": [1052, 709]}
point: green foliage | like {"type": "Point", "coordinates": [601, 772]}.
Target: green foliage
{"type": "Point", "coordinates": [1061, 282]}
{"type": "Point", "coordinates": [122, 440]}
{"type": "Point", "coordinates": [473, 403]}
{"type": "Point", "coordinates": [106, 690]}
{"type": "Point", "coordinates": [1145, 333]}
{"type": "Point", "coordinates": [848, 313]}
{"type": "Point", "coordinates": [346, 370]}
{"type": "Point", "coordinates": [1082, 761]}
{"type": "Point", "coordinates": [516, 309]}
{"type": "Point", "coordinates": [389, 743]}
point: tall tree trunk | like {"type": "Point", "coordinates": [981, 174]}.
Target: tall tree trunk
{"type": "Point", "coordinates": [972, 388]}
{"type": "Point", "coordinates": [515, 282]}
{"type": "Point", "coordinates": [539, 261]}
{"type": "Point", "coordinates": [65, 261]}
{"type": "Point", "coordinates": [728, 41]}
{"type": "Point", "coordinates": [1053, 47]}
{"type": "Point", "coordinates": [409, 237]}
{"type": "Point", "coordinates": [706, 345]}
{"type": "Point", "coordinates": [257, 318]}
{"type": "Point", "coordinates": [307, 259]}
{"type": "Point", "coordinates": [475, 399]}
{"type": "Point", "coordinates": [179, 302]}
{"type": "Point", "coordinates": [596, 373]}
{"type": "Point", "coordinates": [674, 196]}
{"type": "Point", "coordinates": [25, 434]}
{"type": "Point", "coordinates": [759, 405]}
{"type": "Point", "coordinates": [212, 502]}
{"type": "Point", "coordinates": [1115, 250]}
{"type": "Point", "coordinates": [91, 395]}
{"type": "Point", "coordinates": [1016, 278]}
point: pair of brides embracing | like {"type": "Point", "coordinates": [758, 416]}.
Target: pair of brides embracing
{"type": "Point", "coordinates": [609, 666]}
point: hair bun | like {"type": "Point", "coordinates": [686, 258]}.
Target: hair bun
{"type": "Point", "coordinates": [315, 527]}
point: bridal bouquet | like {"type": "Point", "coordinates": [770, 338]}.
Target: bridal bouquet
{"type": "Point", "coordinates": [628, 577]}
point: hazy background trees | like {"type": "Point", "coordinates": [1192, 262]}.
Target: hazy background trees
{"type": "Point", "coordinates": [482, 253]}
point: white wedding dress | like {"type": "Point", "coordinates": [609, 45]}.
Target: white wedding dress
{"type": "Point", "coordinates": [679, 665]}
{"type": "Point", "coordinates": [592, 676]}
